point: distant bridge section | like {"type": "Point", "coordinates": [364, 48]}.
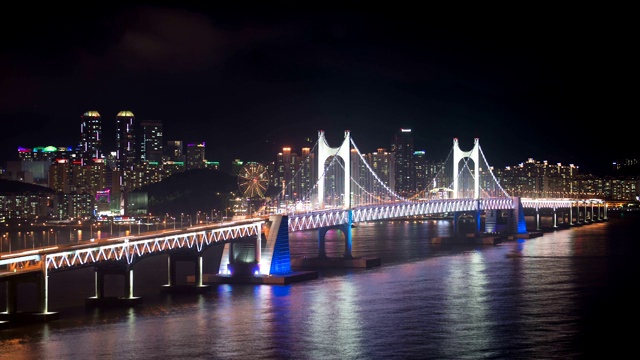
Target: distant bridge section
{"type": "Point", "coordinates": [319, 219]}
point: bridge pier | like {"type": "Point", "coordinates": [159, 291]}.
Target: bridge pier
{"type": "Point", "coordinates": [571, 223]}
{"type": "Point", "coordinates": [13, 314]}
{"type": "Point", "coordinates": [346, 230]}
{"type": "Point", "coordinates": [322, 252]}
{"type": "Point", "coordinates": [275, 260]}
{"type": "Point", "coordinates": [346, 261]}
{"type": "Point", "coordinates": [173, 286]}
{"type": "Point", "coordinates": [244, 256]}
{"type": "Point", "coordinates": [456, 223]}
{"type": "Point", "coordinates": [491, 220]}
{"type": "Point", "coordinates": [100, 299]}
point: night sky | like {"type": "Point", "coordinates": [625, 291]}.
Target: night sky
{"type": "Point", "coordinates": [249, 78]}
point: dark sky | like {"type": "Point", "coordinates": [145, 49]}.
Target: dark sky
{"type": "Point", "coordinates": [248, 77]}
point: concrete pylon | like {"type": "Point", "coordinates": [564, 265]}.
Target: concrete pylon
{"type": "Point", "coordinates": [474, 155]}
{"type": "Point", "coordinates": [324, 152]}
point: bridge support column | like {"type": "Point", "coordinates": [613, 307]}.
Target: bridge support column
{"type": "Point", "coordinates": [474, 155]}
{"type": "Point", "coordinates": [456, 220]}
{"type": "Point", "coordinates": [12, 296]}
{"type": "Point", "coordinates": [555, 218]}
{"type": "Point", "coordinates": [600, 211]}
{"type": "Point", "coordinates": [517, 223]}
{"type": "Point", "coordinates": [322, 252]}
{"type": "Point", "coordinates": [346, 228]}
{"type": "Point", "coordinates": [571, 215]}
{"type": "Point", "coordinates": [242, 256]}
{"type": "Point", "coordinates": [276, 258]}
{"type": "Point", "coordinates": [344, 152]}
{"type": "Point", "coordinates": [100, 300]}
{"type": "Point", "coordinates": [42, 314]}
{"type": "Point", "coordinates": [346, 261]}
{"type": "Point", "coordinates": [537, 219]}
{"type": "Point", "coordinates": [43, 290]}
{"type": "Point", "coordinates": [128, 283]}
{"type": "Point", "coordinates": [188, 256]}
{"type": "Point", "coordinates": [225, 259]}
{"type": "Point", "coordinates": [491, 221]}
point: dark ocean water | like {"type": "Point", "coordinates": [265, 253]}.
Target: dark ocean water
{"type": "Point", "coordinates": [569, 294]}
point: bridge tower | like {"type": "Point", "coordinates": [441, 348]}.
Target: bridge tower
{"type": "Point", "coordinates": [324, 152]}
{"type": "Point", "coordinates": [473, 155]}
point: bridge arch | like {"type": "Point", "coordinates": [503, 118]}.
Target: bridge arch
{"type": "Point", "coordinates": [473, 155]}
{"type": "Point", "coordinates": [343, 151]}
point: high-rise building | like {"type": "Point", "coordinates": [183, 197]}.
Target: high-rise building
{"type": "Point", "coordinates": [195, 156]}
{"type": "Point", "coordinates": [420, 172]}
{"type": "Point", "coordinates": [59, 176]}
{"type": "Point", "coordinates": [125, 141]}
{"type": "Point", "coordinates": [151, 141]}
{"type": "Point", "coordinates": [307, 171]}
{"type": "Point", "coordinates": [284, 170]}
{"type": "Point", "coordinates": [383, 164]}
{"type": "Point", "coordinates": [293, 173]}
{"type": "Point", "coordinates": [175, 151]}
{"type": "Point", "coordinates": [125, 155]}
{"type": "Point", "coordinates": [44, 153]}
{"type": "Point", "coordinates": [90, 137]}
{"type": "Point", "coordinates": [402, 147]}
{"type": "Point", "coordinates": [236, 166]}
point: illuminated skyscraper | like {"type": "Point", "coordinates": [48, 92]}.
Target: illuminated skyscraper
{"type": "Point", "coordinates": [420, 172]}
{"type": "Point", "coordinates": [384, 165]}
{"type": "Point", "coordinates": [195, 156]}
{"type": "Point", "coordinates": [125, 155]}
{"type": "Point", "coordinates": [175, 150]}
{"type": "Point", "coordinates": [402, 147]}
{"type": "Point", "coordinates": [283, 168]}
{"type": "Point", "coordinates": [151, 141]}
{"type": "Point", "coordinates": [90, 137]}
{"type": "Point", "coordinates": [125, 141]}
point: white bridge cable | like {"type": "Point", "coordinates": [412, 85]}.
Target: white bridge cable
{"type": "Point", "coordinates": [439, 179]}
{"type": "Point", "coordinates": [459, 177]}
{"type": "Point", "coordinates": [364, 194]}
{"type": "Point", "coordinates": [310, 193]}
{"type": "Point", "coordinates": [491, 172]}
{"type": "Point", "coordinates": [466, 167]}
{"type": "Point", "coordinates": [385, 186]}
{"type": "Point", "coordinates": [366, 191]}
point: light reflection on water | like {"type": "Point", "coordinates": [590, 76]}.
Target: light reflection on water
{"type": "Point", "coordinates": [425, 301]}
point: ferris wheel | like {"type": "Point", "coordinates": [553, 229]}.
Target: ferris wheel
{"type": "Point", "coordinates": [253, 180]}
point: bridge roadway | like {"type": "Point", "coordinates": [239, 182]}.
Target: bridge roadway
{"type": "Point", "coordinates": [118, 255]}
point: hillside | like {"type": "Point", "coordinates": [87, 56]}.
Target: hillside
{"type": "Point", "coordinates": [18, 187]}
{"type": "Point", "coordinates": [190, 191]}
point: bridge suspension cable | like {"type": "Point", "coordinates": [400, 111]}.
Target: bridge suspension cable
{"type": "Point", "coordinates": [366, 187]}
{"type": "Point", "coordinates": [394, 195]}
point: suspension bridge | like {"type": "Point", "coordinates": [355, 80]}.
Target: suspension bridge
{"type": "Point", "coordinates": [334, 188]}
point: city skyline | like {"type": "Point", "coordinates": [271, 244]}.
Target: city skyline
{"type": "Point", "coordinates": [109, 146]}
{"type": "Point", "coordinates": [249, 79]}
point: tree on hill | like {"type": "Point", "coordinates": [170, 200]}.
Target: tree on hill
{"type": "Point", "coordinates": [191, 191]}
{"type": "Point", "coordinates": [19, 187]}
